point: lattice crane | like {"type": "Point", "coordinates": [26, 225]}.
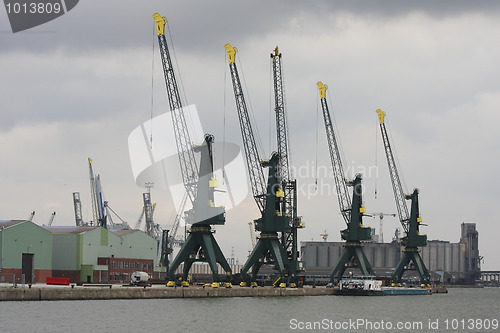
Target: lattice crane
{"type": "Point", "coordinates": [352, 212]}
{"type": "Point", "coordinates": [200, 245]}
{"type": "Point", "coordinates": [289, 185]}
{"type": "Point", "coordinates": [269, 198]}
{"type": "Point", "coordinates": [99, 215]}
{"type": "Point", "coordinates": [411, 259]}
{"type": "Point", "coordinates": [252, 156]}
{"type": "Point", "coordinates": [252, 234]}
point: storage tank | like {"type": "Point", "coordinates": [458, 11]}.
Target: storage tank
{"type": "Point", "coordinates": [139, 277]}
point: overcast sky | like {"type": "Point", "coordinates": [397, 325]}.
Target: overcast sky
{"type": "Point", "coordinates": [77, 86]}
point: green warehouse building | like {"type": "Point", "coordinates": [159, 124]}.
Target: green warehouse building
{"type": "Point", "coordinates": [25, 248]}
{"type": "Point", "coordinates": [98, 255]}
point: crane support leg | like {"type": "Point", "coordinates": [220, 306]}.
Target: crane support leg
{"type": "Point", "coordinates": [214, 255]}
{"type": "Point", "coordinates": [185, 251]}
{"type": "Point", "coordinates": [200, 238]}
{"type": "Point", "coordinates": [411, 255]}
{"type": "Point", "coordinates": [267, 244]}
{"type": "Point", "coordinates": [252, 261]}
{"type": "Point", "coordinates": [353, 256]}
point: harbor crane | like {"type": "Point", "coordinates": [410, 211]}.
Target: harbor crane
{"type": "Point", "coordinates": [289, 185]}
{"type": "Point", "coordinates": [252, 234]}
{"type": "Point", "coordinates": [269, 249]}
{"type": "Point", "coordinates": [353, 255]}
{"type": "Point", "coordinates": [77, 203]}
{"type": "Point", "coordinates": [199, 183]}
{"type": "Point", "coordinates": [411, 259]}
{"type": "Point", "coordinates": [169, 237]}
{"type": "Point", "coordinates": [98, 213]}
{"type": "Point", "coordinates": [51, 219]}
{"type": "Point", "coordinates": [381, 224]}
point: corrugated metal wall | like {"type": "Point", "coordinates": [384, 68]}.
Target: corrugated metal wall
{"type": "Point", "coordinates": [439, 256]}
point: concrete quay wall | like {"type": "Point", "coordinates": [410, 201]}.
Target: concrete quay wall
{"type": "Point", "coordinates": [118, 292]}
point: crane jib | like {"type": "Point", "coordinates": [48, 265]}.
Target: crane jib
{"type": "Point", "coordinates": [187, 159]}
{"type": "Point", "coordinates": [400, 197]}
{"type": "Point", "coordinates": [338, 171]}
{"type": "Point", "coordinates": [256, 174]}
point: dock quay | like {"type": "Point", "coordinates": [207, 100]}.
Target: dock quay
{"type": "Point", "coordinates": [54, 293]}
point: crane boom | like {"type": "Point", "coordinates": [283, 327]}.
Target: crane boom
{"type": "Point", "coordinates": [96, 198]}
{"type": "Point", "coordinates": [51, 219]}
{"type": "Point", "coordinates": [399, 195]}
{"type": "Point", "coordinates": [338, 170]}
{"type": "Point", "coordinates": [281, 122]}
{"type": "Point", "coordinates": [252, 234]}
{"type": "Point", "coordinates": [183, 141]}
{"type": "Point", "coordinates": [178, 217]}
{"type": "Point", "coordinates": [255, 171]}
{"type": "Point", "coordinates": [78, 209]}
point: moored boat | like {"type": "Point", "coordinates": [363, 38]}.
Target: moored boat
{"type": "Point", "coordinates": [360, 287]}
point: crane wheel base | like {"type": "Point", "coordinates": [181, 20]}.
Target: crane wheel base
{"type": "Point", "coordinates": [228, 285]}
{"type": "Point", "coordinates": [171, 284]}
{"type": "Point", "coordinates": [283, 285]}
{"type": "Point", "coordinates": [215, 285]}
{"type": "Point", "coordinates": [243, 284]}
{"type": "Point", "coordinates": [185, 284]}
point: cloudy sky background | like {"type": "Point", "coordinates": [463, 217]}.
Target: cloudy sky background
{"type": "Point", "coordinates": [77, 86]}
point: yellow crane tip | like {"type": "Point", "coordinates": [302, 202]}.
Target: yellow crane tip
{"type": "Point", "coordinates": [322, 89]}
{"type": "Point", "coordinates": [381, 115]}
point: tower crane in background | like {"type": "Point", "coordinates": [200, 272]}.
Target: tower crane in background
{"type": "Point", "coordinates": [381, 224]}
{"type": "Point", "coordinates": [200, 245]}
{"type": "Point", "coordinates": [411, 259]}
{"type": "Point", "coordinates": [269, 199]}
{"type": "Point", "coordinates": [51, 219]}
{"type": "Point", "coordinates": [289, 185]}
{"type": "Point", "coordinates": [77, 203]}
{"type": "Point", "coordinates": [152, 229]}
{"type": "Point", "coordinates": [99, 218]}
{"type": "Point", "coordinates": [352, 254]}
{"type": "Point", "coordinates": [169, 238]}
{"type": "Point", "coordinates": [252, 233]}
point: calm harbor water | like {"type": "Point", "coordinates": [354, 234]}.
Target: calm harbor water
{"type": "Point", "coordinates": [461, 310]}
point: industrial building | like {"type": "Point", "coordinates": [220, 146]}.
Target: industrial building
{"type": "Point", "coordinates": [82, 254]}
{"type": "Point", "coordinates": [447, 262]}
{"type": "Point", "coordinates": [96, 254]}
{"type": "Point", "coordinates": [25, 248]}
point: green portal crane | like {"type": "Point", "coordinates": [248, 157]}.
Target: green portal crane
{"type": "Point", "coordinates": [353, 255]}
{"type": "Point", "coordinates": [289, 185]}
{"type": "Point", "coordinates": [411, 259]}
{"type": "Point", "coordinates": [200, 245]}
{"type": "Point", "coordinates": [269, 199]}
